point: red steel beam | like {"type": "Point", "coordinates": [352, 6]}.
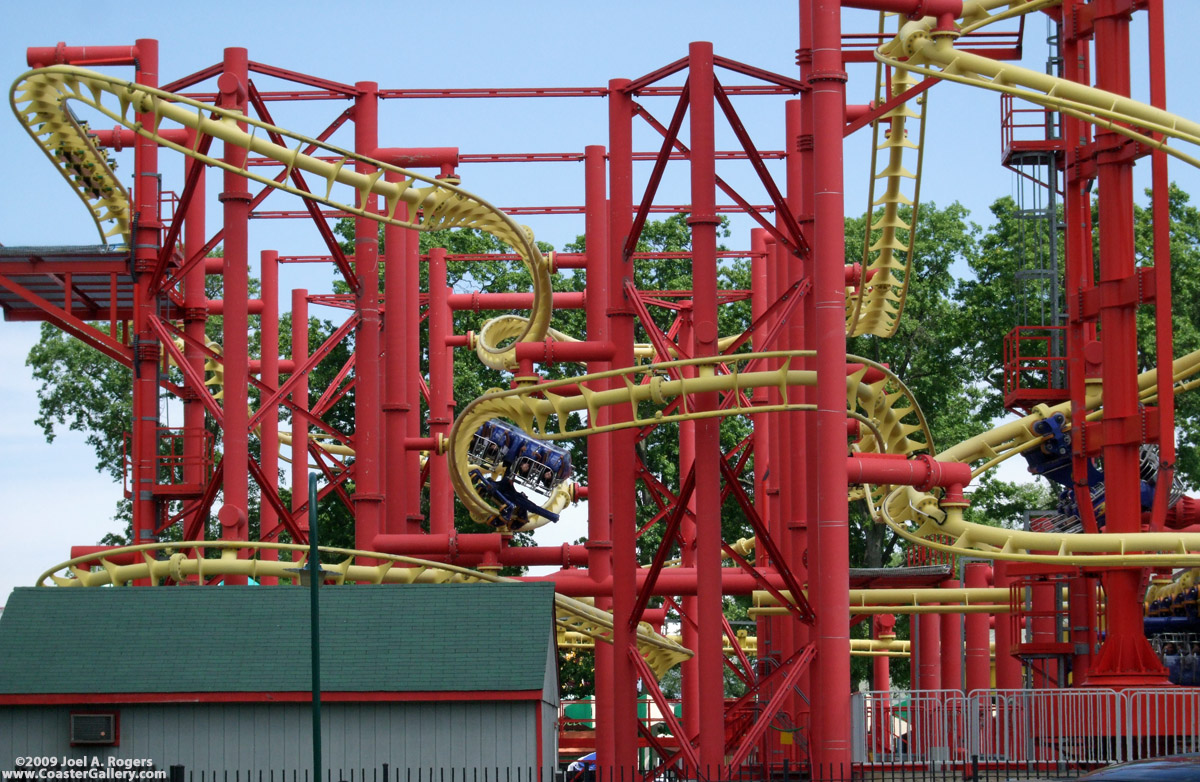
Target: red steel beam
{"type": "Point", "coordinates": [708, 462]}
{"type": "Point", "coordinates": [741, 204]}
{"type": "Point", "coordinates": [311, 206]}
{"type": "Point", "coordinates": [830, 589]}
{"type": "Point", "coordinates": [368, 423]}
{"type": "Point", "coordinates": [77, 328]}
{"type": "Point", "coordinates": [670, 534]}
{"type": "Point", "coordinates": [660, 165]}
{"type": "Point", "coordinates": [796, 241]}
{"type": "Point", "coordinates": [767, 716]}
{"type": "Point", "coordinates": [665, 708]}
{"type": "Point", "coordinates": [200, 255]}
{"type": "Point", "coordinates": [301, 373]}
{"type": "Point", "coordinates": [303, 78]}
{"type": "Point", "coordinates": [236, 200]}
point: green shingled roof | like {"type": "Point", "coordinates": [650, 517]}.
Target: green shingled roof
{"type": "Point", "coordinates": [393, 638]}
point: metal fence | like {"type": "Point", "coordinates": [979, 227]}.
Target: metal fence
{"type": "Point", "coordinates": [972, 772]}
{"type": "Point", "coordinates": [1039, 728]}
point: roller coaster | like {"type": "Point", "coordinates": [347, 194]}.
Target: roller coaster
{"type": "Point", "coordinates": [1120, 555]}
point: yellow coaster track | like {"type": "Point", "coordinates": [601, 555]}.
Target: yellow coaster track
{"type": "Point", "coordinates": [40, 100]}
{"type": "Point", "coordinates": [182, 563]}
{"type": "Point", "coordinates": [875, 305]}
{"type": "Point", "coordinates": [887, 408]}
{"type": "Point", "coordinates": [917, 516]}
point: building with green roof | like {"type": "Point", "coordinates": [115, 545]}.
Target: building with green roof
{"type": "Point", "coordinates": [420, 676]}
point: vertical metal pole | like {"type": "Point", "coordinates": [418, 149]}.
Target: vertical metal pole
{"type": "Point", "coordinates": [797, 499]}
{"type": "Point", "coordinates": [884, 626]}
{"type": "Point", "coordinates": [300, 399]}
{"type": "Point", "coordinates": [1079, 262]}
{"type": "Point", "coordinates": [146, 239]}
{"type": "Point", "coordinates": [1081, 597]}
{"type": "Point", "coordinates": [441, 390]}
{"type": "Point", "coordinates": [368, 442]}
{"type": "Point", "coordinates": [1126, 658]}
{"type": "Point", "coordinates": [1043, 627]}
{"type": "Point", "coordinates": [599, 543]}
{"type": "Point", "coordinates": [194, 316]}
{"type": "Point", "coordinates": [831, 586]}
{"type": "Point", "coordinates": [315, 576]}
{"type": "Point", "coordinates": [929, 649]}
{"type": "Point", "coordinates": [411, 362]}
{"type": "Point", "coordinates": [759, 301]}
{"type": "Point", "coordinates": [401, 466]}
{"type": "Point", "coordinates": [704, 221]}
{"type": "Point", "coordinates": [978, 663]}
{"type": "Point", "coordinates": [268, 527]}
{"type": "Point", "coordinates": [763, 274]}
{"type": "Point", "coordinates": [623, 457]}
{"type": "Point", "coordinates": [952, 645]}
{"type": "Point", "coordinates": [1008, 668]}
{"type": "Point", "coordinates": [1163, 320]}
{"type": "Point", "coordinates": [690, 669]}
{"type": "Point", "coordinates": [236, 200]}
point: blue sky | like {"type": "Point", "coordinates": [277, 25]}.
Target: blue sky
{"type": "Point", "coordinates": [53, 495]}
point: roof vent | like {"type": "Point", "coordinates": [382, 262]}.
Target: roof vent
{"type": "Point", "coordinates": [94, 728]}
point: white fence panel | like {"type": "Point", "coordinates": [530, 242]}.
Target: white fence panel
{"type": "Point", "coordinates": [1163, 721]}
{"type": "Point", "coordinates": [927, 727]}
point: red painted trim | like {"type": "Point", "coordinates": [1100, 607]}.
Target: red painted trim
{"type": "Point", "coordinates": [262, 697]}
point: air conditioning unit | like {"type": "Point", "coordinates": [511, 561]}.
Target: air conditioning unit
{"type": "Point", "coordinates": [94, 728]}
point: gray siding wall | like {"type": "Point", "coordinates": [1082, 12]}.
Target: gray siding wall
{"type": "Point", "coordinates": [262, 736]}
{"type": "Point", "coordinates": [549, 707]}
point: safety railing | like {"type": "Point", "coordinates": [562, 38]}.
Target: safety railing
{"type": "Point", "coordinates": [1035, 365]}
{"type": "Point", "coordinates": [922, 728]}
{"type": "Point", "coordinates": [1163, 722]}
{"type": "Point", "coordinates": [1055, 728]}
{"type": "Point", "coordinates": [1027, 128]}
{"type": "Point", "coordinates": [1048, 727]}
{"type": "Point", "coordinates": [174, 461]}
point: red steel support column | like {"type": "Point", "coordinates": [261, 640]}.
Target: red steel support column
{"type": "Point", "coordinates": [831, 587]}
{"type": "Point", "coordinates": [411, 362]}
{"type": "Point", "coordinates": [616, 708]}
{"type": "Point", "coordinates": [599, 502]}
{"type": "Point", "coordinates": [704, 221]}
{"type": "Point", "coordinates": [1161, 217]}
{"type": "Point", "coordinates": [194, 317]}
{"type": "Point", "coordinates": [268, 528]}
{"type": "Point", "coordinates": [368, 443]}
{"type": "Point", "coordinates": [621, 318]}
{"type": "Point", "coordinates": [1079, 262]}
{"type": "Point", "coordinates": [1045, 600]}
{"type": "Point", "coordinates": [146, 239]}
{"type": "Point", "coordinates": [1008, 668]}
{"type": "Point", "coordinates": [300, 398]}
{"type": "Point", "coordinates": [441, 391]}
{"type": "Point", "coordinates": [952, 645]}
{"type": "Point", "coordinates": [690, 669]}
{"type": "Point", "coordinates": [978, 661]}
{"type": "Point", "coordinates": [767, 627]}
{"type": "Point", "coordinates": [797, 503]}
{"type": "Point", "coordinates": [1082, 611]}
{"type": "Point", "coordinates": [236, 200]}
{"type": "Point", "coordinates": [402, 466]}
{"type": "Point", "coordinates": [929, 651]}
{"type": "Point", "coordinates": [1126, 658]}
{"type": "Point", "coordinates": [884, 629]}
